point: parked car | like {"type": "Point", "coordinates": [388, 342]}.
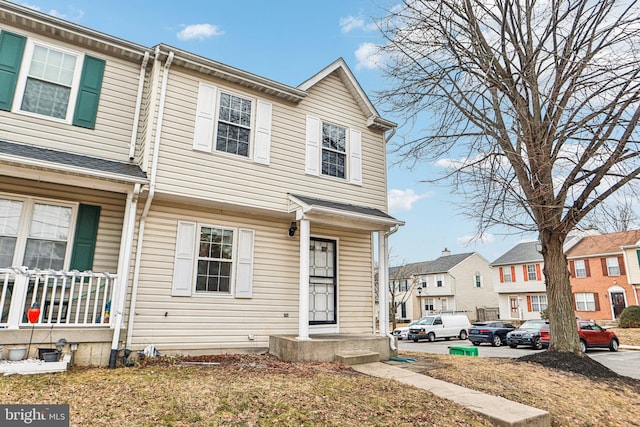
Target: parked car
{"type": "Point", "coordinates": [527, 334]}
{"type": "Point", "coordinates": [402, 331]}
{"type": "Point", "coordinates": [591, 335]}
{"type": "Point", "coordinates": [494, 333]}
{"type": "Point", "coordinates": [440, 326]}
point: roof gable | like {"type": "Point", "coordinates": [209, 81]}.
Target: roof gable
{"type": "Point", "coordinates": [604, 244]}
{"type": "Point", "coordinates": [340, 68]}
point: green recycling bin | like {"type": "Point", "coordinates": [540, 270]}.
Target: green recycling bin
{"type": "Point", "coordinates": [463, 351]}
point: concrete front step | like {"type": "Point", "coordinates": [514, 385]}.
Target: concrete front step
{"type": "Point", "coordinates": [357, 357]}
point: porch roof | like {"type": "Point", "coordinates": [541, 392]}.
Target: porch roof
{"type": "Point", "coordinates": [331, 211]}
{"type": "Point", "coordinates": [32, 156]}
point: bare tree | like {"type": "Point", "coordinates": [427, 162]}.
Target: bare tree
{"type": "Point", "coordinates": [612, 218]}
{"type": "Point", "coordinates": [532, 105]}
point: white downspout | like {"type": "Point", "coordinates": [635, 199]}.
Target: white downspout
{"type": "Point", "coordinates": [383, 283]}
{"type": "Point", "coordinates": [136, 114]}
{"type": "Point", "coordinates": [152, 189]}
{"type": "Point", "coordinates": [124, 262]}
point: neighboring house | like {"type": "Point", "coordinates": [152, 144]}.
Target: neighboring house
{"type": "Point", "coordinates": [599, 267]}
{"type": "Point", "coordinates": [518, 278]}
{"type": "Point", "coordinates": [225, 208]}
{"type": "Point", "coordinates": [519, 283]}
{"type": "Point", "coordinates": [451, 283]}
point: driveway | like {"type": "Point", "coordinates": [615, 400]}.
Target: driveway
{"type": "Point", "coordinates": [624, 362]}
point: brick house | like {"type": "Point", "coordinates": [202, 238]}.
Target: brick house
{"type": "Point", "coordinates": [599, 281]}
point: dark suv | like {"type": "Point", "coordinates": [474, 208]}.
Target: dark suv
{"type": "Point", "coordinates": [591, 336]}
{"type": "Point", "coordinates": [527, 334]}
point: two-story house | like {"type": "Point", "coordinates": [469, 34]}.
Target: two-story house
{"type": "Point", "coordinates": [600, 279]}
{"type": "Point", "coordinates": [451, 283]}
{"type": "Point", "coordinates": [519, 282]}
{"type": "Point", "coordinates": [518, 278]}
{"type": "Point", "coordinates": [228, 211]}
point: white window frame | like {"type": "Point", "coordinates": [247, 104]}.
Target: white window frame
{"type": "Point", "coordinates": [444, 304]}
{"type": "Point", "coordinates": [539, 303]}
{"type": "Point", "coordinates": [233, 262]}
{"type": "Point", "coordinates": [506, 275]}
{"type": "Point", "coordinates": [477, 280]}
{"type": "Point", "coordinates": [532, 274]}
{"type": "Point", "coordinates": [252, 120]}
{"type": "Point", "coordinates": [24, 74]}
{"type": "Point", "coordinates": [344, 153]}
{"type": "Point", "coordinates": [24, 225]}
{"type": "Point", "coordinates": [613, 267]}
{"type": "Point", "coordinates": [580, 268]}
{"type": "Point", "coordinates": [585, 301]}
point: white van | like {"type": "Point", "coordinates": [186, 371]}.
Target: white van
{"type": "Point", "coordinates": [440, 326]}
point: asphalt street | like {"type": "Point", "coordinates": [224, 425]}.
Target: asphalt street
{"type": "Point", "coordinates": [624, 362]}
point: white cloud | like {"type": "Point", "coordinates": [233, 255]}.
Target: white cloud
{"type": "Point", "coordinates": [403, 200]}
{"type": "Point", "coordinates": [471, 239]}
{"type": "Point", "coordinates": [368, 56]}
{"type": "Point", "coordinates": [74, 14]}
{"type": "Point", "coordinates": [199, 31]}
{"type": "Point", "coordinates": [352, 23]}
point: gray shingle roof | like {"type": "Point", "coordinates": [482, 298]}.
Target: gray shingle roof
{"type": "Point", "coordinates": [343, 206]}
{"type": "Point", "coordinates": [439, 265]}
{"type": "Point", "coordinates": [129, 170]}
{"type": "Point", "coordinates": [520, 254]}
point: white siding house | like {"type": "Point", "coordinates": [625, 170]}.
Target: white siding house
{"type": "Point", "coordinates": [211, 209]}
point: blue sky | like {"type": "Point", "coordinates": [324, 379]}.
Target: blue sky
{"type": "Point", "coordinates": [289, 41]}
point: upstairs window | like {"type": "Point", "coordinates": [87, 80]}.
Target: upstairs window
{"type": "Point", "coordinates": [580, 267]}
{"type": "Point", "coordinates": [507, 277]}
{"type": "Point", "coordinates": [613, 267]}
{"type": "Point", "coordinates": [234, 124]}
{"type": "Point", "coordinates": [334, 150]}
{"type": "Point", "coordinates": [477, 280]}
{"type": "Point", "coordinates": [49, 81]}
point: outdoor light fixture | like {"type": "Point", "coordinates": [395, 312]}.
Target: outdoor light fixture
{"type": "Point", "coordinates": [293, 228]}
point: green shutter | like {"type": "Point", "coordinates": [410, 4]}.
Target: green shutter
{"type": "Point", "coordinates": [11, 50]}
{"type": "Point", "coordinates": [89, 92]}
{"type": "Point", "coordinates": [84, 243]}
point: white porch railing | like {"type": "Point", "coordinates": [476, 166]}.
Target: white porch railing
{"type": "Point", "coordinates": [66, 298]}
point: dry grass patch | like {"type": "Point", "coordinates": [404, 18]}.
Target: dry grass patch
{"type": "Point", "coordinates": [572, 399]}
{"type": "Point", "coordinates": [245, 390]}
{"type": "Point", "coordinates": [628, 336]}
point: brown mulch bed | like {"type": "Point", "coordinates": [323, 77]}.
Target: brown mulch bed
{"type": "Point", "coordinates": [571, 362]}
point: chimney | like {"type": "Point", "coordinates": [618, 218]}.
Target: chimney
{"type": "Point", "coordinates": [446, 252]}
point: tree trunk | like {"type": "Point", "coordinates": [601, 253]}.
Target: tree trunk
{"type": "Point", "coordinates": [562, 319]}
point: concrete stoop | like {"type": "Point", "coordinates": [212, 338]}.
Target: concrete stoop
{"type": "Point", "coordinates": [357, 357]}
{"type": "Point", "coordinates": [500, 411]}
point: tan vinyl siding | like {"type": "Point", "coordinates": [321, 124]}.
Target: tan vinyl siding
{"type": "Point", "coordinates": [112, 135]}
{"type": "Point", "coordinates": [111, 213]}
{"type": "Point", "coordinates": [237, 180]}
{"type": "Point", "coordinates": [223, 321]}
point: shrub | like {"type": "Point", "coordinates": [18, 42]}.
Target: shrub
{"type": "Point", "coordinates": [630, 317]}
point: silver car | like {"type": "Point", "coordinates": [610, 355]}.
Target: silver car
{"type": "Point", "coordinates": [402, 332]}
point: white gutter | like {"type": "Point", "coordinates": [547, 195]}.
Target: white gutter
{"type": "Point", "coordinates": [136, 114]}
{"type": "Point", "coordinates": [124, 262]}
{"type": "Point", "coordinates": [152, 189]}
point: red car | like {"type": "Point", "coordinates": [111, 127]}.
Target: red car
{"type": "Point", "coordinates": [591, 336]}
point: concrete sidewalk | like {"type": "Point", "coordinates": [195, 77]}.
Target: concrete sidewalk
{"type": "Point", "coordinates": [500, 411]}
